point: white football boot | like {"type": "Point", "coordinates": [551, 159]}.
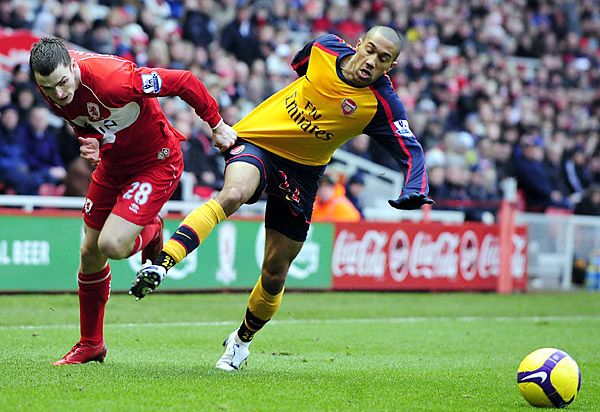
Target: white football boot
{"type": "Point", "coordinates": [236, 353]}
{"type": "Point", "coordinates": [147, 280]}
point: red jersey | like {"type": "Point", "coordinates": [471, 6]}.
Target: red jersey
{"type": "Point", "coordinates": [116, 104]}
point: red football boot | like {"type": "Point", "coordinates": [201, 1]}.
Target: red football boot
{"type": "Point", "coordinates": [154, 247]}
{"type": "Point", "coordinates": [82, 353]}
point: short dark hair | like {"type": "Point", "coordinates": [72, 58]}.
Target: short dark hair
{"type": "Point", "coordinates": [47, 54]}
{"type": "Point", "coordinates": [390, 34]}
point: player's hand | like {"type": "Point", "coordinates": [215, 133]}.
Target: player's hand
{"type": "Point", "coordinates": [410, 201]}
{"type": "Point", "coordinates": [224, 137]}
{"type": "Point", "coordinates": [89, 150]}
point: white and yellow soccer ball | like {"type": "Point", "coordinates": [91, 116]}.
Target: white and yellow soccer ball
{"type": "Point", "coordinates": [549, 378]}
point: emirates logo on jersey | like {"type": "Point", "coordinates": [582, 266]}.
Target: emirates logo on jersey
{"type": "Point", "coordinates": [93, 111]}
{"type": "Point", "coordinates": [349, 106]}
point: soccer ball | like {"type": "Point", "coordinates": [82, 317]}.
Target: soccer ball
{"type": "Point", "coordinates": [549, 378]}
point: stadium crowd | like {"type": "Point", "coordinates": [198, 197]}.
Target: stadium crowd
{"type": "Point", "coordinates": [492, 88]}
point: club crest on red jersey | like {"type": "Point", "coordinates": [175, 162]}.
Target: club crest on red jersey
{"type": "Point", "coordinates": [87, 206]}
{"type": "Point", "coordinates": [93, 111]}
{"type": "Point", "coordinates": [349, 106]}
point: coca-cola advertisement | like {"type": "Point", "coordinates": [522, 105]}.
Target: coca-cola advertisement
{"type": "Point", "coordinates": [424, 256]}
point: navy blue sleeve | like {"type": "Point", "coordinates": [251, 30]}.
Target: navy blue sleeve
{"type": "Point", "coordinates": [300, 61]}
{"type": "Point", "coordinates": [389, 127]}
{"type": "Point", "coordinates": [330, 42]}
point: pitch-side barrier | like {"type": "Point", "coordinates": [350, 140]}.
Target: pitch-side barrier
{"type": "Point", "coordinates": [38, 243]}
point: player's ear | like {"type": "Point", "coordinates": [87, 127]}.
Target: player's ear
{"type": "Point", "coordinates": [359, 42]}
{"type": "Point", "coordinates": [394, 64]}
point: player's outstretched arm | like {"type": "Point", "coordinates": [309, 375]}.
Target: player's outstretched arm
{"type": "Point", "coordinates": [410, 201]}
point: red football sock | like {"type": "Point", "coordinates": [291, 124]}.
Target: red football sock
{"type": "Point", "coordinates": [94, 289]}
{"type": "Point", "coordinates": [148, 233]}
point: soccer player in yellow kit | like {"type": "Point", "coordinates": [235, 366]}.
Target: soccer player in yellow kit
{"type": "Point", "coordinates": [283, 148]}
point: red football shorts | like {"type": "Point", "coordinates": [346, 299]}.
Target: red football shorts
{"type": "Point", "coordinates": [137, 198]}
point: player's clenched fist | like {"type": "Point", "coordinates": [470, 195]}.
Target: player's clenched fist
{"type": "Point", "coordinates": [224, 136]}
{"type": "Point", "coordinates": [89, 150]}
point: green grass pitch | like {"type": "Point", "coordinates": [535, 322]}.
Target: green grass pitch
{"type": "Point", "coordinates": [322, 352]}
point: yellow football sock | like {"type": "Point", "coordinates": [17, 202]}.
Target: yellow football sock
{"type": "Point", "coordinates": [194, 230]}
{"type": "Point", "coordinates": [262, 304]}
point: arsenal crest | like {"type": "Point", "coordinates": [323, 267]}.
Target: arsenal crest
{"type": "Point", "coordinates": [93, 111]}
{"type": "Point", "coordinates": [237, 150]}
{"type": "Point", "coordinates": [349, 106]}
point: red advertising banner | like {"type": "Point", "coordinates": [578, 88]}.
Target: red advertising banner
{"type": "Point", "coordinates": [14, 47]}
{"type": "Point", "coordinates": [423, 256]}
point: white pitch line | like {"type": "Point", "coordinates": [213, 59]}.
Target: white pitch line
{"type": "Point", "coordinates": [410, 319]}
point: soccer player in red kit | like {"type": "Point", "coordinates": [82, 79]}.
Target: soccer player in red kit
{"type": "Point", "coordinates": [111, 104]}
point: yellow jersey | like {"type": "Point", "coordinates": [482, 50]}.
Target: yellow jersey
{"type": "Point", "coordinates": [320, 111]}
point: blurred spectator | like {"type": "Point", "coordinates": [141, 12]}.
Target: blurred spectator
{"type": "Point", "coordinates": [504, 160]}
{"type": "Point", "coordinates": [454, 191]}
{"type": "Point", "coordinates": [556, 170]}
{"type": "Point", "coordinates": [24, 100]}
{"type": "Point", "coordinates": [437, 178]}
{"type": "Point", "coordinates": [14, 170]}
{"type": "Point", "coordinates": [240, 38]}
{"type": "Point", "coordinates": [590, 203]}
{"type": "Point", "coordinates": [352, 26]}
{"type": "Point", "coordinates": [359, 146]}
{"type": "Point", "coordinates": [198, 25]}
{"type": "Point", "coordinates": [99, 38]}
{"type": "Point", "coordinates": [483, 191]}
{"type": "Point", "coordinates": [534, 178]}
{"type": "Point", "coordinates": [205, 162]}
{"type": "Point", "coordinates": [578, 172]}
{"type": "Point", "coordinates": [78, 178]}
{"type": "Point", "coordinates": [42, 152]}
{"type": "Point", "coordinates": [354, 188]}
{"type": "Point", "coordinates": [331, 204]}
{"type": "Point", "coordinates": [20, 77]}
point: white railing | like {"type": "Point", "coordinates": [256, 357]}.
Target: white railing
{"type": "Point", "coordinates": [381, 183]}
{"type": "Point", "coordinates": [30, 203]}
{"type": "Point", "coordinates": [554, 242]}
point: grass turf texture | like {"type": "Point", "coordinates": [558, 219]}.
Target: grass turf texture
{"type": "Point", "coordinates": [323, 351]}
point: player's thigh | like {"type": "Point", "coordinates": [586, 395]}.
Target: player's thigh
{"type": "Point", "coordinates": [242, 183]}
{"type": "Point", "coordinates": [100, 200]}
{"type": "Point", "coordinates": [246, 169]}
{"type": "Point", "coordinates": [291, 190]}
{"type": "Point", "coordinates": [143, 195]}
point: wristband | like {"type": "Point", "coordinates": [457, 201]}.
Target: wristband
{"type": "Point", "coordinates": [218, 124]}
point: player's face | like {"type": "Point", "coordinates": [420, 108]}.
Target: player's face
{"type": "Point", "coordinates": [60, 85]}
{"type": "Point", "coordinates": [374, 57]}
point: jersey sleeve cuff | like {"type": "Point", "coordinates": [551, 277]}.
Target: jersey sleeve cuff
{"type": "Point", "coordinates": [215, 122]}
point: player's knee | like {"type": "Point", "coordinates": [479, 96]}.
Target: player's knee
{"type": "Point", "coordinates": [89, 253]}
{"type": "Point", "coordinates": [232, 198]}
{"type": "Point", "coordinates": [113, 248]}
